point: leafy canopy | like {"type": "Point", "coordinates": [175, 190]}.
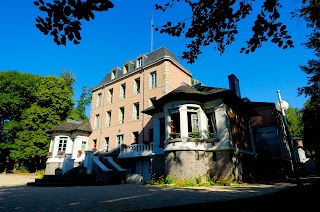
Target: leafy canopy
{"type": "Point", "coordinates": [30, 105]}
{"type": "Point", "coordinates": [210, 22]}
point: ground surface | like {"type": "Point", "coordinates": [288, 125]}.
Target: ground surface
{"type": "Point", "coordinates": [288, 196]}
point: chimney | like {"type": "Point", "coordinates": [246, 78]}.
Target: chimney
{"type": "Point", "coordinates": [234, 84]}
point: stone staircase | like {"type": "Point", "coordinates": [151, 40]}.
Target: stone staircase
{"type": "Point", "coordinates": [74, 177]}
{"type": "Point", "coordinates": [103, 171]}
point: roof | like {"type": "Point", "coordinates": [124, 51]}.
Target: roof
{"type": "Point", "coordinates": [202, 94]}
{"type": "Point", "coordinates": [148, 59]}
{"type": "Point", "coordinates": [72, 125]}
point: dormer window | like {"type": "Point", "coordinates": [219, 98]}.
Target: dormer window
{"type": "Point", "coordinates": [125, 69]}
{"type": "Point", "coordinates": [113, 74]}
{"type": "Point", "coordinates": [139, 62]}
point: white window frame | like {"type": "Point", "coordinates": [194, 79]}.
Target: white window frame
{"type": "Point", "coordinates": [99, 100]}
{"type": "Point", "coordinates": [110, 95]}
{"type": "Point", "coordinates": [120, 139]}
{"type": "Point", "coordinates": [84, 146]}
{"type": "Point", "coordinates": [113, 74]}
{"type": "Point", "coordinates": [63, 141]}
{"type": "Point", "coordinates": [136, 111]}
{"type": "Point", "coordinates": [125, 68]}
{"type": "Point", "coordinates": [97, 122]}
{"type": "Point", "coordinates": [123, 88]}
{"type": "Point", "coordinates": [108, 118]}
{"type": "Point", "coordinates": [121, 115]}
{"type": "Point", "coordinates": [139, 62]}
{"type": "Point", "coordinates": [153, 80]}
{"type": "Point", "coordinates": [137, 86]}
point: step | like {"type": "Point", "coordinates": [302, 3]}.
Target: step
{"type": "Point", "coordinates": [61, 184]}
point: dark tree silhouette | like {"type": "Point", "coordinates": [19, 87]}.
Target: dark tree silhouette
{"type": "Point", "coordinates": [63, 20]}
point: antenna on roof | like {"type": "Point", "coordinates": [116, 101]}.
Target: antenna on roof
{"type": "Point", "coordinates": [151, 30]}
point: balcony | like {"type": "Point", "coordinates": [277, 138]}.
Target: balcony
{"type": "Point", "coordinates": [136, 150]}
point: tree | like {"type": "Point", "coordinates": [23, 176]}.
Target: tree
{"type": "Point", "coordinates": [52, 106]}
{"type": "Point", "coordinates": [78, 113]}
{"type": "Point", "coordinates": [64, 16]}
{"type": "Point", "coordinates": [31, 105]}
{"type": "Point", "coordinates": [210, 22]}
{"type": "Point", "coordinates": [311, 108]}
{"type": "Point", "coordinates": [294, 116]}
{"type": "Point", "coordinates": [17, 93]}
{"type": "Point", "coordinates": [310, 118]}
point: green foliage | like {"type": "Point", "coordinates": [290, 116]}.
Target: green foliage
{"type": "Point", "coordinates": [78, 113]}
{"type": "Point", "coordinates": [208, 22]}
{"type": "Point", "coordinates": [190, 182]}
{"type": "Point", "coordinates": [23, 169]}
{"type": "Point", "coordinates": [294, 116]}
{"type": "Point", "coordinates": [310, 118]}
{"type": "Point", "coordinates": [30, 106]}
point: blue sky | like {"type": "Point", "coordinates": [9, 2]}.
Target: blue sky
{"type": "Point", "coordinates": [124, 32]}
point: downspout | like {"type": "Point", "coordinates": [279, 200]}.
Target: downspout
{"type": "Point", "coordinates": [102, 104]}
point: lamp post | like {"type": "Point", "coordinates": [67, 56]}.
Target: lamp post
{"type": "Point", "coordinates": [283, 106]}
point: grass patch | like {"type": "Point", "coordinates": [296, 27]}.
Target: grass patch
{"type": "Point", "coordinates": [190, 182]}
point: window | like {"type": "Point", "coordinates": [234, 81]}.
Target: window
{"type": "Point", "coordinates": [193, 120]}
{"type": "Point", "coordinates": [125, 69]}
{"type": "Point", "coordinates": [108, 118]}
{"type": "Point", "coordinates": [135, 137]}
{"type": "Point", "coordinates": [153, 80]}
{"type": "Point", "coordinates": [212, 127]}
{"type": "Point", "coordinates": [94, 144]}
{"type": "Point", "coordinates": [123, 91]}
{"type": "Point", "coordinates": [121, 115]}
{"type": "Point", "coordinates": [113, 74]}
{"type": "Point", "coordinates": [136, 86]}
{"type": "Point", "coordinates": [135, 112]}
{"type": "Point", "coordinates": [110, 95]}
{"type": "Point", "coordinates": [99, 99]}
{"type": "Point", "coordinates": [62, 144]}
{"type": "Point", "coordinates": [120, 139]}
{"type": "Point", "coordinates": [152, 101]}
{"type": "Point", "coordinates": [97, 122]}
{"type": "Point", "coordinates": [139, 62]}
{"type": "Point", "coordinates": [83, 146]}
{"type": "Point", "coordinates": [175, 122]}
{"type": "Point", "coordinates": [106, 144]}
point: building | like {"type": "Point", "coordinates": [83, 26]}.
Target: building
{"type": "Point", "coordinates": [118, 100]}
{"type": "Point", "coordinates": [149, 119]}
{"type": "Point", "coordinates": [69, 138]}
{"type": "Point", "coordinates": [274, 160]}
{"type": "Point", "coordinates": [207, 133]}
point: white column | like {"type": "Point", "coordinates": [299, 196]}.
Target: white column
{"type": "Point", "coordinates": [88, 161]}
{"type": "Point", "coordinates": [183, 123]}
{"type": "Point", "coordinates": [67, 163]}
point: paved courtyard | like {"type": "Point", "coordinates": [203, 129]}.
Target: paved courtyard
{"type": "Point", "coordinates": [15, 195]}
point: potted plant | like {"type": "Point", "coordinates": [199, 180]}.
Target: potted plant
{"type": "Point", "coordinates": [196, 134]}
{"type": "Point", "coordinates": [172, 135]}
{"type": "Point", "coordinates": [61, 153]}
{"type": "Point", "coordinates": [79, 152]}
{"type": "Point", "coordinates": [49, 154]}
